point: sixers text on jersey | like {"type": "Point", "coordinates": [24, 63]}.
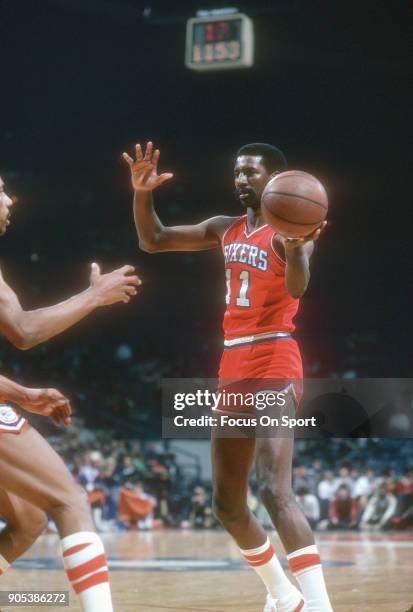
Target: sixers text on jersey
{"type": "Point", "coordinates": [248, 254]}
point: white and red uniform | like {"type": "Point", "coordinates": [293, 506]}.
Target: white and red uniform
{"type": "Point", "coordinates": [258, 321]}
{"type": "Point", "coordinates": [10, 420]}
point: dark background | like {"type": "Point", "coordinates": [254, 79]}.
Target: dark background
{"type": "Point", "coordinates": [81, 81]}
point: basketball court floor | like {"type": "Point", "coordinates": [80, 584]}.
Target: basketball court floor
{"type": "Point", "coordinates": [201, 571]}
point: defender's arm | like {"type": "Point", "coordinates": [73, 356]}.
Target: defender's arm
{"type": "Point", "coordinates": [26, 329]}
{"type": "Point", "coordinates": [47, 402]}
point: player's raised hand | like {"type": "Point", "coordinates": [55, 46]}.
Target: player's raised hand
{"type": "Point", "coordinates": [116, 286]}
{"type": "Point", "coordinates": [144, 169]}
{"type": "Point", "coordinates": [49, 403]}
{"type": "Point", "coordinates": [293, 243]}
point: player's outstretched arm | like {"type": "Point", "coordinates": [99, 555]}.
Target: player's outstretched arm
{"type": "Point", "coordinates": [27, 328]}
{"type": "Point", "coordinates": [153, 236]}
{"type": "Point", "coordinates": [297, 252]}
{"type": "Point", "coordinates": [47, 402]}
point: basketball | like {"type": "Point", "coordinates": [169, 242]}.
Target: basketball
{"type": "Point", "coordinates": [294, 203]}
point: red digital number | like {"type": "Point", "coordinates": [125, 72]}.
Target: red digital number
{"type": "Point", "coordinates": [222, 30]}
{"type": "Point", "coordinates": [209, 32]}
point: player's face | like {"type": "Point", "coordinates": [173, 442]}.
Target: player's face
{"type": "Point", "coordinates": [5, 205]}
{"type": "Point", "coordinates": [251, 178]}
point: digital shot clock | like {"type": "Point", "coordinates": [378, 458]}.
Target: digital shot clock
{"type": "Point", "coordinates": [219, 42]}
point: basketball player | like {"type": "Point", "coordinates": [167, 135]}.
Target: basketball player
{"type": "Point", "coordinates": [34, 482]}
{"type": "Point", "coordinates": [266, 275]}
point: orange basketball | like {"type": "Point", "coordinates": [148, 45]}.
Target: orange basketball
{"type": "Point", "coordinates": [294, 203]}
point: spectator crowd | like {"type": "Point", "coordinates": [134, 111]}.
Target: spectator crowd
{"type": "Point", "coordinates": [133, 484]}
{"type": "Point", "coordinates": [143, 485]}
{"type": "Point", "coordinates": [353, 498]}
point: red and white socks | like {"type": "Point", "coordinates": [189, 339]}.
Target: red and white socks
{"type": "Point", "coordinates": [305, 564]}
{"type": "Point", "coordinates": [264, 561]}
{"type": "Point", "coordinates": [4, 565]}
{"type": "Point", "coordinates": [85, 563]}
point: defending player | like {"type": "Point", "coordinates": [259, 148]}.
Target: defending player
{"type": "Point", "coordinates": [266, 275]}
{"type": "Point", "coordinates": [34, 481]}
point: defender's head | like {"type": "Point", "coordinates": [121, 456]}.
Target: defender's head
{"type": "Point", "coordinates": [5, 205]}
{"type": "Point", "coordinates": [255, 164]}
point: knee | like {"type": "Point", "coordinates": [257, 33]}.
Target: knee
{"type": "Point", "coordinates": [227, 510]}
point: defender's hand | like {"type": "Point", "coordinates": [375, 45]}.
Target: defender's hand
{"type": "Point", "coordinates": [290, 244]}
{"type": "Point", "coordinates": [49, 403]}
{"type": "Point", "coordinates": [116, 286]}
{"type": "Point", "coordinates": [144, 169]}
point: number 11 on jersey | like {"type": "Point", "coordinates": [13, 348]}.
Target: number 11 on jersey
{"type": "Point", "coordinates": [242, 299]}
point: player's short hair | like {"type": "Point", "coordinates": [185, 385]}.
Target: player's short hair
{"type": "Point", "coordinates": [273, 158]}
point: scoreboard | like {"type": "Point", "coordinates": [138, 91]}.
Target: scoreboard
{"type": "Point", "coordinates": [219, 42]}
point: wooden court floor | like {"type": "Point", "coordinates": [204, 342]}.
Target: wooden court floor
{"type": "Point", "coordinates": [186, 571]}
